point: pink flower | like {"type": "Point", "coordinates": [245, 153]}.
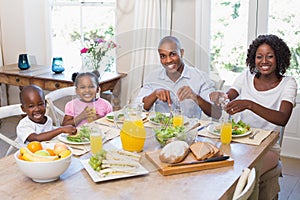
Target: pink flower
{"type": "Point", "coordinates": [84, 50]}
{"type": "Point", "coordinates": [99, 40]}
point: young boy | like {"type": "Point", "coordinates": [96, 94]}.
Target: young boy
{"type": "Point", "coordinates": [36, 126]}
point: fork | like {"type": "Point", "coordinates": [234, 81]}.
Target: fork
{"type": "Point", "coordinates": [253, 135]}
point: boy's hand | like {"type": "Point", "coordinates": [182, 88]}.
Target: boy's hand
{"type": "Point", "coordinates": [69, 129]}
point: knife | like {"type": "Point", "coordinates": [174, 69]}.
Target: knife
{"type": "Point", "coordinates": [214, 159]}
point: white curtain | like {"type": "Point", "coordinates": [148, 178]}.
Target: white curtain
{"type": "Point", "coordinates": [153, 20]}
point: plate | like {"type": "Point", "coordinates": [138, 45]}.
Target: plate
{"type": "Point", "coordinates": [110, 117]}
{"type": "Point", "coordinates": [211, 129]}
{"type": "Point", "coordinates": [97, 178]}
{"type": "Point", "coordinates": [63, 138]}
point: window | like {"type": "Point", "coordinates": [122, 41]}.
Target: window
{"type": "Point", "coordinates": [234, 24]}
{"type": "Point", "coordinates": [74, 21]}
{"type": "Point", "coordinates": [229, 29]}
{"type": "Point", "coordinates": [284, 20]}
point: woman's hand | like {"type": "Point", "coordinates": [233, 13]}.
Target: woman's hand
{"type": "Point", "coordinates": [236, 106]}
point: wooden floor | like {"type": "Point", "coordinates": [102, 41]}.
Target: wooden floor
{"type": "Point", "coordinates": [289, 183]}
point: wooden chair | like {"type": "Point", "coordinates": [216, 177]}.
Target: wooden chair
{"type": "Point", "coordinates": [10, 111]}
{"type": "Point", "coordinates": [246, 183]}
{"type": "Point", "coordinates": [53, 110]}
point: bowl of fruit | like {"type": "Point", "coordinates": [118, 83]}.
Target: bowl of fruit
{"type": "Point", "coordinates": [43, 161]}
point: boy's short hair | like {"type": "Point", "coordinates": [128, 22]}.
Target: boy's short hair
{"type": "Point", "coordinates": [28, 88]}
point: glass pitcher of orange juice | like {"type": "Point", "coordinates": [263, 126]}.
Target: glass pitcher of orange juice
{"type": "Point", "coordinates": [133, 132]}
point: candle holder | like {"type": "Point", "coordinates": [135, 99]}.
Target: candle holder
{"type": "Point", "coordinates": [23, 62]}
{"type": "Point", "coordinates": [58, 65]}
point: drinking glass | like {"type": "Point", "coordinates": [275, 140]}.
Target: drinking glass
{"type": "Point", "coordinates": [226, 128]}
{"type": "Point", "coordinates": [177, 117]}
{"type": "Point", "coordinates": [96, 139]}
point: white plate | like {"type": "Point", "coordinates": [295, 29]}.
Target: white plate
{"type": "Point", "coordinates": [211, 129]}
{"type": "Point", "coordinates": [63, 138]}
{"type": "Point", "coordinates": [97, 178]}
{"type": "Point", "coordinates": [111, 114]}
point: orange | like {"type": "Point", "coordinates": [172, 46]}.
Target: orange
{"type": "Point", "coordinates": [51, 152]}
{"type": "Point", "coordinates": [34, 146]}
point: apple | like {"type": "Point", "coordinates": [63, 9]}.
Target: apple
{"type": "Point", "coordinates": [42, 152]}
{"type": "Point", "coordinates": [59, 147]}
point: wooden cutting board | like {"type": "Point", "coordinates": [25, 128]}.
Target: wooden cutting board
{"type": "Point", "coordinates": [165, 170]}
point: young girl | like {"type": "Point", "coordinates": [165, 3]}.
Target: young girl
{"type": "Point", "coordinates": [36, 126]}
{"type": "Point", "coordinates": [87, 107]}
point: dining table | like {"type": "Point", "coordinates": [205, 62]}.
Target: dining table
{"type": "Point", "coordinates": [76, 182]}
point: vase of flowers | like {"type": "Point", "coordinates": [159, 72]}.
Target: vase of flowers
{"type": "Point", "coordinates": [95, 56]}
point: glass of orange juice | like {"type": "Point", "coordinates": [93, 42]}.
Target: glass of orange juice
{"type": "Point", "coordinates": [177, 118]}
{"type": "Point", "coordinates": [226, 133]}
{"type": "Point", "coordinates": [226, 129]}
{"type": "Point", "coordinates": [96, 140]}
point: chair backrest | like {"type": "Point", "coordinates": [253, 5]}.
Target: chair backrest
{"type": "Point", "coordinates": [281, 132]}
{"type": "Point", "coordinates": [219, 84]}
{"type": "Point", "coordinates": [10, 111]}
{"type": "Point", "coordinates": [134, 94]}
{"type": "Point", "coordinates": [53, 110]}
{"type": "Point", "coordinates": [248, 188]}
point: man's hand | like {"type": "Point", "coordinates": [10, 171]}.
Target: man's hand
{"type": "Point", "coordinates": [186, 92]}
{"type": "Point", "coordinates": [163, 95]}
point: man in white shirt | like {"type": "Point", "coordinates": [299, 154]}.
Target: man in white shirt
{"type": "Point", "coordinates": [177, 84]}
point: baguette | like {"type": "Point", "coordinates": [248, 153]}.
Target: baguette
{"type": "Point", "coordinates": [174, 152]}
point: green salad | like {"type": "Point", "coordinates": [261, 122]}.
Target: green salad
{"type": "Point", "coordinates": [83, 135]}
{"type": "Point", "coordinates": [165, 134]}
{"type": "Point", "coordinates": [239, 128]}
{"type": "Point", "coordinates": [161, 118]}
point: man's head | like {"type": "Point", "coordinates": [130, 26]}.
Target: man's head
{"type": "Point", "coordinates": [33, 103]}
{"type": "Point", "coordinates": [171, 54]}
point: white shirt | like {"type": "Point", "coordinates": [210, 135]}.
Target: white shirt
{"type": "Point", "coordinates": [198, 81]}
{"type": "Point", "coordinates": [286, 90]}
{"type": "Point", "coordinates": [27, 127]}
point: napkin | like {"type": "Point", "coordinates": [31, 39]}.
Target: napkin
{"type": "Point", "coordinates": [203, 132]}
{"type": "Point", "coordinates": [80, 149]}
{"type": "Point", "coordinates": [259, 137]}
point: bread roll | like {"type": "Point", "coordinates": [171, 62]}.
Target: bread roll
{"type": "Point", "coordinates": [174, 152]}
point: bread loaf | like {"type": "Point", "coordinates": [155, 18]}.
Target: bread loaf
{"type": "Point", "coordinates": [174, 152]}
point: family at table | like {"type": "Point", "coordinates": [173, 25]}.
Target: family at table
{"type": "Point", "coordinates": [262, 97]}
